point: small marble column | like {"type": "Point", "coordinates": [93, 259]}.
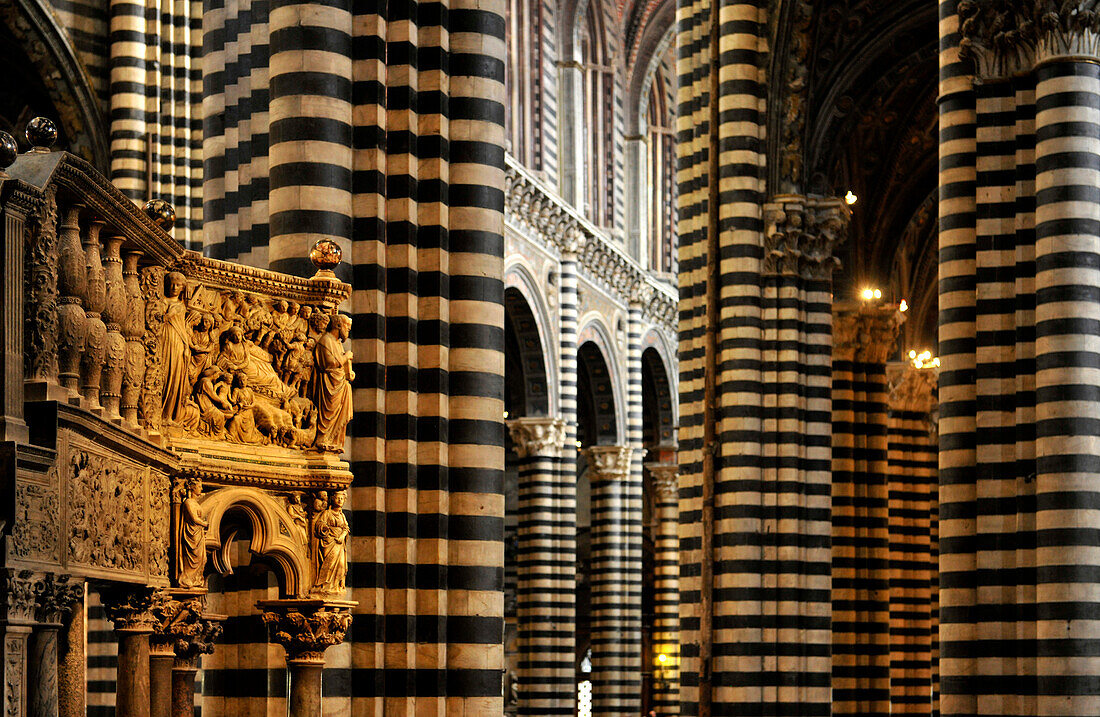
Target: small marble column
{"type": "Point", "coordinates": [666, 588]}
{"type": "Point", "coordinates": [53, 600]}
{"type": "Point", "coordinates": [305, 628]}
{"type": "Point", "coordinates": [72, 700]}
{"type": "Point", "coordinates": [130, 609]}
{"type": "Point", "coordinates": [546, 574]}
{"type": "Point", "coordinates": [616, 647]}
{"type": "Point", "coordinates": [183, 632]}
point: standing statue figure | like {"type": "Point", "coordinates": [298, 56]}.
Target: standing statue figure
{"type": "Point", "coordinates": [330, 531]}
{"type": "Point", "coordinates": [175, 346]}
{"type": "Point", "coordinates": [192, 539]}
{"type": "Point", "coordinates": [330, 384]}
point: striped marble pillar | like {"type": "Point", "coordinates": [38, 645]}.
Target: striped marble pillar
{"type": "Point", "coordinates": [130, 126]}
{"type": "Point", "coordinates": [633, 498]}
{"type": "Point", "coordinates": [311, 148]}
{"type": "Point", "coordinates": [1067, 349]}
{"type": "Point", "coordinates": [666, 588]}
{"type": "Point", "coordinates": [615, 650]}
{"type": "Point", "coordinates": [911, 469]}
{"type": "Point", "coordinates": [566, 496]}
{"type": "Point", "coordinates": [863, 338]}
{"type": "Point", "coordinates": [545, 588]}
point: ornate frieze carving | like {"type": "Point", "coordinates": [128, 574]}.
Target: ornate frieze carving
{"type": "Point", "coordinates": [36, 533]}
{"type": "Point", "coordinates": [866, 333]}
{"type": "Point", "coordinates": [107, 511]}
{"type": "Point", "coordinates": [537, 436]}
{"type": "Point", "coordinates": [1004, 38]}
{"type": "Point", "coordinates": [41, 295]}
{"type": "Point", "coordinates": [306, 628]}
{"type": "Point", "coordinates": [18, 603]}
{"type": "Point", "coordinates": [801, 235]}
{"type": "Point", "coordinates": [546, 217]}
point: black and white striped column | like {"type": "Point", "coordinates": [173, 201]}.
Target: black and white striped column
{"type": "Point", "coordinates": [665, 479]}
{"type": "Point", "coordinates": [911, 468]}
{"type": "Point", "coordinates": [546, 577]}
{"type": "Point", "coordinates": [863, 339]}
{"type": "Point", "coordinates": [1067, 359]}
{"type": "Point", "coordinates": [615, 648]}
{"type": "Point", "coordinates": [311, 148]}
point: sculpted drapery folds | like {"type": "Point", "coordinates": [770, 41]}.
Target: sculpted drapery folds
{"type": "Point", "coordinates": [192, 539]}
{"type": "Point", "coordinates": [330, 384]}
{"type": "Point", "coordinates": [251, 369]}
{"type": "Point", "coordinates": [330, 533]}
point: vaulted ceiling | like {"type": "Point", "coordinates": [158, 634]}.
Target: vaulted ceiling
{"type": "Point", "coordinates": [868, 85]}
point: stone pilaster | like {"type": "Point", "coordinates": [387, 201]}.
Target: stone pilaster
{"type": "Point", "coordinates": [17, 613]}
{"type": "Point", "coordinates": [306, 628]}
{"type": "Point", "coordinates": [546, 593]}
{"type": "Point", "coordinates": [665, 479]}
{"type": "Point", "coordinates": [616, 647]}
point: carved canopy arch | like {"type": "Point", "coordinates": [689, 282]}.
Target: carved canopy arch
{"type": "Point", "coordinates": [275, 535]}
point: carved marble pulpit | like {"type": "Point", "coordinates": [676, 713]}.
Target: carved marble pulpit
{"type": "Point", "coordinates": [153, 401]}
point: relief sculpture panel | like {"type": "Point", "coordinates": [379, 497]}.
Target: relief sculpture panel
{"type": "Point", "coordinates": [231, 365]}
{"type": "Point", "coordinates": [36, 532]}
{"type": "Point", "coordinates": [106, 511]}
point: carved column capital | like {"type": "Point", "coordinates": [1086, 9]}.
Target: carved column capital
{"type": "Point", "coordinates": [537, 436]}
{"type": "Point", "coordinates": [306, 628]}
{"type": "Point", "coordinates": [610, 461]}
{"type": "Point", "coordinates": [54, 597]}
{"type": "Point", "coordinates": [666, 479]}
{"type": "Point", "coordinates": [865, 332]}
{"type": "Point", "coordinates": [183, 627]}
{"type": "Point", "coordinates": [801, 235]}
{"type": "Point", "coordinates": [133, 608]}
{"type": "Point", "coordinates": [1004, 38]}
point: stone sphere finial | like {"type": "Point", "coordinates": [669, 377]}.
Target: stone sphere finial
{"type": "Point", "coordinates": [161, 212]}
{"type": "Point", "coordinates": [326, 255]}
{"type": "Point", "coordinates": [41, 133]}
{"type": "Point", "coordinates": [9, 152]}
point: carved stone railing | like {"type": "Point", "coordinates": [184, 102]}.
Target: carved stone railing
{"type": "Point", "coordinates": [147, 371]}
{"type": "Point", "coordinates": [538, 210]}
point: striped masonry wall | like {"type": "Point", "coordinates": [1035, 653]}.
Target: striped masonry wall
{"type": "Point", "coordinates": [87, 23]}
{"type": "Point", "coordinates": [754, 385]}
{"type": "Point", "coordinates": [911, 467]}
{"type": "Point", "coordinates": [864, 338]}
{"type": "Point", "coordinates": [102, 658]}
{"type": "Point", "coordinates": [545, 591]}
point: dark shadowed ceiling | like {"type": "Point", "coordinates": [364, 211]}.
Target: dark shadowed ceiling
{"type": "Point", "coordinates": [870, 100]}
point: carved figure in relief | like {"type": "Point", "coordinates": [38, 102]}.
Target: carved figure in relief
{"type": "Point", "coordinates": [203, 345]}
{"type": "Point", "coordinates": [242, 426]}
{"type": "Point", "coordinates": [330, 385]}
{"type": "Point", "coordinates": [214, 406]}
{"type": "Point", "coordinates": [330, 531]}
{"type": "Point", "coordinates": [192, 539]}
{"type": "Point", "coordinates": [175, 347]}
